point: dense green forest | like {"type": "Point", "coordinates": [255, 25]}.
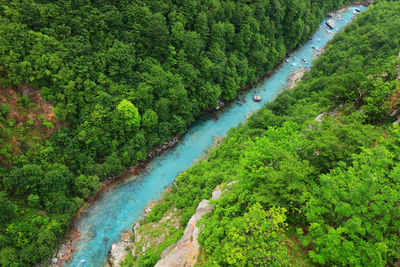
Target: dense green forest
{"type": "Point", "coordinates": [123, 78]}
{"type": "Point", "coordinates": [313, 190]}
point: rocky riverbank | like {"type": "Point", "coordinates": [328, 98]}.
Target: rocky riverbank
{"type": "Point", "coordinates": [141, 166]}
{"type": "Point", "coordinates": [162, 236]}
{"type": "Point", "coordinates": [295, 78]}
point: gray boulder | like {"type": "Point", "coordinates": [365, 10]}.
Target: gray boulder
{"type": "Point", "coordinates": [186, 250]}
{"type": "Point", "coordinates": [257, 98]}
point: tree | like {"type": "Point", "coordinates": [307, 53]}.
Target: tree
{"type": "Point", "coordinates": [87, 185]}
{"type": "Point", "coordinates": [378, 98]}
{"type": "Point", "coordinates": [34, 201]}
{"type": "Point", "coordinates": [24, 180]}
{"type": "Point", "coordinates": [129, 117]}
{"type": "Point", "coordinates": [7, 209]}
{"type": "Point", "coordinates": [255, 239]}
{"type": "Point", "coordinates": [9, 257]}
{"type": "Point", "coordinates": [58, 178]}
{"type": "Point", "coordinates": [150, 119]}
{"type": "Point", "coordinates": [354, 213]}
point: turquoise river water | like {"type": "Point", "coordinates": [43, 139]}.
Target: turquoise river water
{"type": "Point", "coordinates": [119, 207]}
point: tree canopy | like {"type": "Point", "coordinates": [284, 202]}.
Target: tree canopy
{"type": "Point", "coordinates": [123, 77]}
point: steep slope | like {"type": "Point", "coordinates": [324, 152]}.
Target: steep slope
{"type": "Point", "coordinates": [123, 77]}
{"type": "Point", "coordinates": [318, 168]}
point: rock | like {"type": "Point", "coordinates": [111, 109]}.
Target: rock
{"type": "Point", "coordinates": [61, 251]}
{"type": "Point", "coordinates": [203, 207]}
{"type": "Point", "coordinates": [257, 98]}
{"type": "Point", "coordinates": [166, 218]}
{"type": "Point", "coordinates": [295, 78]}
{"type": "Point", "coordinates": [148, 208]}
{"type": "Point", "coordinates": [118, 252]}
{"type": "Point", "coordinates": [220, 105]}
{"type": "Point", "coordinates": [330, 23]}
{"type": "Point", "coordinates": [54, 260]}
{"type": "Point", "coordinates": [167, 251]}
{"type": "Point", "coordinates": [357, 9]}
{"type": "Point", "coordinates": [328, 32]}
{"type": "Point", "coordinates": [319, 117]}
{"type": "Point", "coordinates": [231, 184]}
{"type": "Point", "coordinates": [136, 226]}
{"type": "Point", "coordinates": [397, 121]}
{"type": "Point", "coordinates": [329, 15]}
{"type": "Point", "coordinates": [395, 113]}
{"type": "Point", "coordinates": [304, 60]}
{"type": "Point", "coordinates": [186, 250]}
{"type": "Point", "coordinates": [216, 194]}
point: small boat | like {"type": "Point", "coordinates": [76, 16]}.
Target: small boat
{"type": "Point", "coordinates": [330, 23]}
{"type": "Point", "coordinates": [304, 60]}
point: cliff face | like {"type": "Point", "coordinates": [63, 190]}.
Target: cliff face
{"type": "Point", "coordinates": [186, 250]}
{"type": "Point", "coordinates": [152, 235]}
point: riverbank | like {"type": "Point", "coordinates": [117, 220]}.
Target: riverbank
{"type": "Point", "coordinates": [66, 246]}
{"type": "Point", "coordinates": [269, 92]}
{"type": "Point", "coordinates": [310, 101]}
{"type": "Point", "coordinates": [294, 78]}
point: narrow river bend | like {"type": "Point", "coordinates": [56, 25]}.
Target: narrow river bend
{"type": "Point", "coordinates": [120, 206]}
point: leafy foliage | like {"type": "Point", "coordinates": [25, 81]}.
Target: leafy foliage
{"type": "Point", "coordinates": [336, 178]}
{"type": "Point", "coordinates": [354, 212]}
{"type": "Point", "coordinates": [255, 239]}
{"type": "Point", "coordinates": [126, 76]}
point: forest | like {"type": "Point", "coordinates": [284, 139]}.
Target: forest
{"type": "Point", "coordinates": [116, 79]}
{"type": "Point", "coordinates": [123, 77]}
{"type": "Point", "coordinates": [318, 168]}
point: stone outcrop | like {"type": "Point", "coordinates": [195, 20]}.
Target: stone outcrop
{"type": "Point", "coordinates": [295, 78]}
{"type": "Point", "coordinates": [330, 23]}
{"type": "Point", "coordinates": [142, 236]}
{"type": "Point", "coordinates": [120, 250]}
{"type": "Point", "coordinates": [186, 250]}
{"type": "Point", "coordinates": [184, 253]}
{"type": "Point", "coordinates": [257, 98]}
{"type": "Point", "coordinates": [220, 105]}
{"type": "Point", "coordinates": [319, 117]}
{"type": "Point", "coordinates": [165, 146]}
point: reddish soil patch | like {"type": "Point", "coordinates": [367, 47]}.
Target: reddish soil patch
{"type": "Point", "coordinates": [28, 120]}
{"type": "Point", "coordinates": [395, 100]}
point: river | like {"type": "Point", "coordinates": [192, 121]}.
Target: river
{"type": "Point", "coordinates": [120, 206]}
